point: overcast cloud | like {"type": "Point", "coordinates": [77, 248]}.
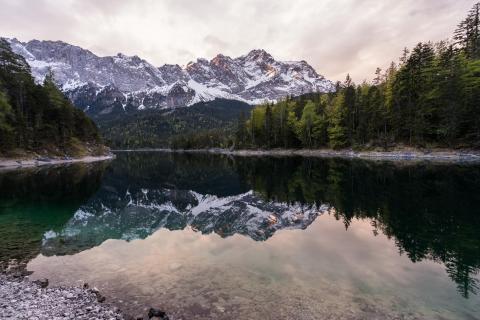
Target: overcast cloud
{"type": "Point", "coordinates": [335, 36]}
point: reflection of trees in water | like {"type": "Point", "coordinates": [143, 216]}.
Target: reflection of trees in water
{"type": "Point", "coordinates": [62, 184]}
{"type": "Point", "coordinates": [33, 201]}
{"type": "Point", "coordinates": [432, 211]}
{"type": "Point", "coordinates": [203, 173]}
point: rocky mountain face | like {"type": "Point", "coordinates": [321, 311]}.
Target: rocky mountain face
{"type": "Point", "coordinates": [115, 84]}
{"type": "Point", "coordinates": [136, 214]}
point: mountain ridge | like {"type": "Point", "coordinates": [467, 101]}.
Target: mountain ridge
{"type": "Point", "coordinates": [121, 83]}
{"type": "Point", "coordinates": [246, 214]}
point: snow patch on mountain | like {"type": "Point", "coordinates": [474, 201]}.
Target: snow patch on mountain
{"type": "Point", "coordinates": [138, 213]}
{"type": "Point", "coordinates": [128, 81]}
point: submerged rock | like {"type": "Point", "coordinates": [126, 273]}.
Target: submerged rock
{"type": "Point", "coordinates": [157, 314]}
{"type": "Point", "coordinates": [43, 283]}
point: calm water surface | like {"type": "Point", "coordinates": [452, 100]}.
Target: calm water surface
{"type": "Point", "coordinates": [217, 237]}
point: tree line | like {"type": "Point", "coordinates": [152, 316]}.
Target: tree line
{"type": "Point", "coordinates": [430, 98]}
{"type": "Point", "coordinates": [202, 125]}
{"type": "Point", "coordinates": [36, 117]}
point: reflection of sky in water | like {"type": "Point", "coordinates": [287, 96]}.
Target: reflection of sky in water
{"type": "Point", "coordinates": [321, 272]}
{"type": "Point", "coordinates": [132, 217]}
{"type": "Point", "coordinates": [214, 249]}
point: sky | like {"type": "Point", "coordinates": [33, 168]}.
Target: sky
{"type": "Point", "coordinates": [336, 37]}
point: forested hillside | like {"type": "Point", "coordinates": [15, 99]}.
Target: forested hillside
{"type": "Point", "coordinates": [431, 98]}
{"type": "Point", "coordinates": [39, 118]}
{"type": "Point", "coordinates": [202, 125]}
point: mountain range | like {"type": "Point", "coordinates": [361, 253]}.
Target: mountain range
{"type": "Point", "coordinates": [116, 84]}
{"type": "Point", "coordinates": [138, 213]}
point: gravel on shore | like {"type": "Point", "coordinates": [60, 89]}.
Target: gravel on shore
{"type": "Point", "coordinates": [24, 299]}
{"type": "Point", "coordinates": [6, 164]}
{"type": "Point", "coordinates": [394, 155]}
{"type": "Point", "coordinates": [21, 298]}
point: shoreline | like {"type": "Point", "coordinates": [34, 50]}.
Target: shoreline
{"type": "Point", "coordinates": [36, 300]}
{"type": "Point", "coordinates": [24, 298]}
{"type": "Point", "coordinates": [440, 155]}
{"type": "Point", "coordinates": [19, 163]}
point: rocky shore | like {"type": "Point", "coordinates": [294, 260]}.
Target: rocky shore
{"type": "Point", "coordinates": [6, 164]}
{"type": "Point", "coordinates": [21, 298]}
{"type": "Point", "coordinates": [437, 155]}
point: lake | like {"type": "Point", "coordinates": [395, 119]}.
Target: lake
{"type": "Point", "coordinates": [207, 236]}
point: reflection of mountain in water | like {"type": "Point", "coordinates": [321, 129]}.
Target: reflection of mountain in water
{"type": "Point", "coordinates": [135, 214]}
{"type": "Point", "coordinates": [431, 212]}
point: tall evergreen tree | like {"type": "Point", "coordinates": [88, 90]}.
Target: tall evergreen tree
{"type": "Point", "coordinates": [269, 126]}
{"type": "Point", "coordinates": [467, 35]}
{"type": "Point", "coordinates": [337, 128]}
{"type": "Point", "coordinates": [241, 133]}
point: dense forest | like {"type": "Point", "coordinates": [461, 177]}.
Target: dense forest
{"type": "Point", "coordinates": [202, 125]}
{"type": "Point", "coordinates": [430, 98]}
{"type": "Point", "coordinates": [39, 118]}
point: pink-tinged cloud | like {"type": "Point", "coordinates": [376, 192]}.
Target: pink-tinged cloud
{"type": "Point", "coordinates": [335, 36]}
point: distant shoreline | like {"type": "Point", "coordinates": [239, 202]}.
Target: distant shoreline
{"type": "Point", "coordinates": [6, 164]}
{"type": "Point", "coordinates": [440, 155]}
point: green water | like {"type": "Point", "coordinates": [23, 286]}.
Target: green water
{"type": "Point", "coordinates": [218, 237]}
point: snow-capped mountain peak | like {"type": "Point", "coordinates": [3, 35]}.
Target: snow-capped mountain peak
{"type": "Point", "coordinates": [121, 82]}
{"type": "Point", "coordinates": [258, 55]}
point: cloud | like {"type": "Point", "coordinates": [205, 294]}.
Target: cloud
{"type": "Point", "coordinates": [336, 37]}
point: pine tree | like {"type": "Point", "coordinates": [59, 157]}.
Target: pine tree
{"type": "Point", "coordinates": [337, 114]}
{"type": "Point", "coordinates": [471, 91]}
{"type": "Point", "coordinates": [281, 124]}
{"type": "Point", "coordinates": [349, 104]}
{"type": "Point", "coordinates": [387, 113]}
{"type": "Point", "coordinates": [377, 80]}
{"type": "Point", "coordinates": [268, 126]}
{"type": "Point", "coordinates": [467, 35]}
{"type": "Point", "coordinates": [306, 124]}
{"type": "Point", "coordinates": [241, 133]}
{"type": "Point", "coordinates": [6, 122]}
{"type": "Point", "coordinates": [292, 124]}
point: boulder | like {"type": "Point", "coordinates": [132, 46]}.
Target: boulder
{"type": "Point", "coordinates": [157, 314]}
